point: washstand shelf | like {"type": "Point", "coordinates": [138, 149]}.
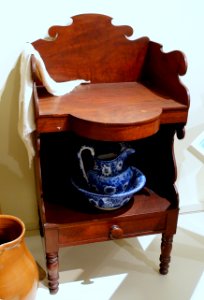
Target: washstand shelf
{"type": "Point", "coordinates": [135, 96]}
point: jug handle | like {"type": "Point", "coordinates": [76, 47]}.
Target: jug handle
{"type": "Point", "coordinates": [81, 163]}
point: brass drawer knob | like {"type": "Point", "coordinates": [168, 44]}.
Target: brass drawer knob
{"type": "Point", "coordinates": [116, 232]}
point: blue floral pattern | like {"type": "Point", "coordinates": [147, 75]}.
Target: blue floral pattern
{"type": "Point", "coordinates": [115, 201]}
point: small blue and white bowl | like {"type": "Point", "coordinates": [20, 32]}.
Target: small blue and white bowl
{"type": "Point", "coordinates": [115, 201]}
{"type": "Point", "coordinates": [110, 185]}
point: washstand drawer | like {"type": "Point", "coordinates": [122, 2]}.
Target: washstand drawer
{"type": "Point", "coordinates": [88, 232]}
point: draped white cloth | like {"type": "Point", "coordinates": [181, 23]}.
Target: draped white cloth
{"type": "Point", "coordinates": [26, 122]}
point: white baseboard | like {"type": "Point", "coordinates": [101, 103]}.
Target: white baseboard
{"type": "Point", "coordinates": [187, 209]}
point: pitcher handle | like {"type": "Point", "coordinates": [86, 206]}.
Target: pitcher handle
{"type": "Point", "coordinates": [81, 163]}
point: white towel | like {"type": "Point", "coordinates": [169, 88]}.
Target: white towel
{"type": "Point", "coordinates": [26, 122]}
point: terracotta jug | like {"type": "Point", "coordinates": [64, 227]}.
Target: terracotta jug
{"type": "Point", "coordinates": [18, 270]}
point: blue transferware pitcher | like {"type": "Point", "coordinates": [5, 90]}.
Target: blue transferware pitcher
{"type": "Point", "coordinates": [110, 164]}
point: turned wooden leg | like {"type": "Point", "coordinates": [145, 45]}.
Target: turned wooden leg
{"type": "Point", "coordinates": [53, 271]}
{"type": "Point", "coordinates": [166, 246]}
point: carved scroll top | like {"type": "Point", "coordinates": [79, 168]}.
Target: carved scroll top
{"type": "Point", "coordinates": [92, 48]}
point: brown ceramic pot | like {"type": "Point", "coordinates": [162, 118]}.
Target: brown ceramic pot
{"type": "Point", "coordinates": [18, 270]}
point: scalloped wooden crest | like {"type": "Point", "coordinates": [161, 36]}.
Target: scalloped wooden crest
{"type": "Point", "coordinates": [92, 48]}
